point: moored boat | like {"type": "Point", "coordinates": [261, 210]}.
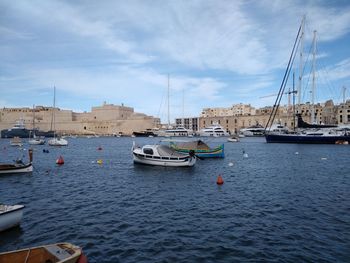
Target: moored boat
{"type": "Point", "coordinates": [53, 253]}
{"type": "Point", "coordinates": [10, 216]}
{"type": "Point", "coordinates": [200, 148]}
{"type": "Point", "coordinates": [233, 139]}
{"type": "Point", "coordinates": [162, 155]}
{"type": "Point", "coordinates": [18, 166]}
{"type": "Point", "coordinates": [214, 130]}
{"type": "Point", "coordinates": [16, 141]}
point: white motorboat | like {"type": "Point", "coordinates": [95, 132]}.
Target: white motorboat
{"type": "Point", "coordinates": [16, 141]}
{"type": "Point", "coordinates": [253, 131]}
{"type": "Point", "coordinates": [162, 155]}
{"type": "Point", "coordinates": [214, 130]}
{"type": "Point", "coordinates": [176, 132]}
{"type": "Point", "coordinates": [233, 139]}
{"type": "Point", "coordinates": [58, 141]}
{"type": "Point", "coordinates": [10, 216]}
{"type": "Point", "coordinates": [36, 141]}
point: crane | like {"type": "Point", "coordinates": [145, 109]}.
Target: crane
{"type": "Point", "coordinates": [289, 92]}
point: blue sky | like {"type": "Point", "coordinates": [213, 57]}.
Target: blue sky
{"type": "Point", "coordinates": [217, 53]}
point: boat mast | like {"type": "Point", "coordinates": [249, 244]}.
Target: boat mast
{"type": "Point", "coordinates": [53, 111]}
{"type": "Point", "coordinates": [301, 60]}
{"type": "Point", "coordinates": [168, 103]}
{"type": "Point", "coordinates": [344, 92]}
{"type": "Point", "coordinates": [313, 79]}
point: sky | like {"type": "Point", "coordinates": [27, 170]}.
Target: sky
{"type": "Point", "coordinates": [211, 53]}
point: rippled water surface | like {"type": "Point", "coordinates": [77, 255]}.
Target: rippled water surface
{"type": "Point", "coordinates": [275, 205]}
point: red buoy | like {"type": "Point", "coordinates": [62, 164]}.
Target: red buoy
{"type": "Point", "coordinates": [219, 181]}
{"type": "Point", "coordinates": [60, 160]}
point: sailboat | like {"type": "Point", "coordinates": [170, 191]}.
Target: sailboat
{"type": "Point", "coordinates": [56, 140]}
{"type": "Point", "coordinates": [306, 133]}
{"type": "Point", "coordinates": [35, 140]}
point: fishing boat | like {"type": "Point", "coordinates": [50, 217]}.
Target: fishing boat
{"type": "Point", "coordinates": [162, 155]}
{"type": "Point", "coordinates": [10, 216]}
{"type": "Point", "coordinates": [200, 148]}
{"type": "Point", "coordinates": [56, 140]}
{"type": "Point", "coordinates": [18, 166]}
{"type": "Point", "coordinates": [53, 253]}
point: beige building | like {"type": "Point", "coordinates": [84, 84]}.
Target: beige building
{"type": "Point", "coordinates": [107, 119]}
{"type": "Point", "coordinates": [325, 113]}
{"type": "Point", "coordinates": [235, 110]}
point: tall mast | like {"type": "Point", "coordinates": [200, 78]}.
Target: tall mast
{"type": "Point", "coordinates": [344, 92]}
{"type": "Point", "coordinates": [53, 112]}
{"type": "Point", "coordinates": [168, 103]}
{"type": "Point", "coordinates": [183, 107]}
{"type": "Point", "coordinates": [301, 58]}
{"type": "Point", "coordinates": [313, 79]}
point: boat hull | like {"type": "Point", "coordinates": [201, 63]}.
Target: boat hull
{"type": "Point", "coordinates": [164, 161]}
{"type": "Point", "coordinates": [24, 133]}
{"type": "Point", "coordinates": [305, 139]}
{"type": "Point", "coordinates": [58, 142]}
{"type": "Point", "coordinates": [15, 168]}
{"type": "Point", "coordinates": [211, 153]}
{"type": "Point", "coordinates": [11, 218]}
{"type": "Point", "coordinates": [59, 253]}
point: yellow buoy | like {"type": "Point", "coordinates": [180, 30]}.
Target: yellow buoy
{"type": "Point", "coordinates": [99, 161]}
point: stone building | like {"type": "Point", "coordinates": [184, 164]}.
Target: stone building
{"type": "Point", "coordinates": [233, 121]}
{"type": "Point", "coordinates": [107, 119]}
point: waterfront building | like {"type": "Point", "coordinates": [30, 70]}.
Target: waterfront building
{"type": "Point", "coordinates": [107, 119]}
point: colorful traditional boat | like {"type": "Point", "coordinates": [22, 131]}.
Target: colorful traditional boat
{"type": "Point", "coordinates": [200, 148]}
{"type": "Point", "coordinates": [10, 216]}
{"type": "Point", "coordinates": [55, 253]}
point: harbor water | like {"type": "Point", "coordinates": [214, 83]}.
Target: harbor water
{"type": "Point", "coordinates": [281, 203]}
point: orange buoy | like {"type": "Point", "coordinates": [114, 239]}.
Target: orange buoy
{"type": "Point", "coordinates": [219, 181]}
{"type": "Point", "coordinates": [60, 160]}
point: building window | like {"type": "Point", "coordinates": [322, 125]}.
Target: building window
{"type": "Point", "coordinates": [341, 118]}
{"type": "Point", "coordinates": [226, 121]}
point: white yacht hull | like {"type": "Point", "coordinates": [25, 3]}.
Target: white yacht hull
{"type": "Point", "coordinates": [11, 216]}
{"type": "Point", "coordinates": [58, 142]}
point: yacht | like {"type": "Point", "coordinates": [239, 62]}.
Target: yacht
{"type": "Point", "coordinates": [253, 131]}
{"type": "Point", "coordinates": [19, 130]}
{"type": "Point", "coordinates": [214, 130]}
{"type": "Point", "coordinates": [176, 132]}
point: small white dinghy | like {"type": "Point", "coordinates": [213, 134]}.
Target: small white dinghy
{"type": "Point", "coordinates": [162, 155]}
{"type": "Point", "coordinates": [10, 216]}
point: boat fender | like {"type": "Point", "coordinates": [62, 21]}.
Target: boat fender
{"type": "Point", "coordinates": [82, 258]}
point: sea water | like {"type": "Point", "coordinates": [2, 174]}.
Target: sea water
{"type": "Point", "coordinates": [275, 205]}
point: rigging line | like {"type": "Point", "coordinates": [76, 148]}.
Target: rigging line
{"type": "Point", "coordinates": [283, 84]}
